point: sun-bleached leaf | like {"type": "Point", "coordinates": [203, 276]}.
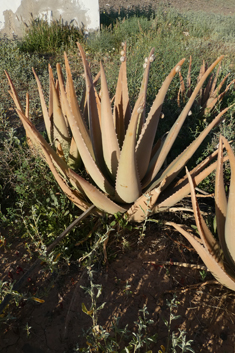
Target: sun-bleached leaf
{"type": "Point", "coordinates": [99, 199]}
{"type": "Point", "coordinates": [74, 106]}
{"type": "Point", "coordinates": [206, 236]}
{"type": "Point", "coordinates": [47, 120]}
{"type": "Point", "coordinates": [74, 159]}
{"type": "Point", "coordinates": [122, 109]}
{"type": "Point", "coordinates": [173, 133]}
{"type": "Point", "coordinates": [179, 162]}
{"type": "Point", "coordinates": [110, 144]}
{"type": "Point", "coordinates": [215, 267]}
{"type": "Point", "coordinates": [93, 108]}
{"type": "Point", "coordinates": [220, 199]}
{"type": "Point", "coordinates": [230, 214]}
{"type": "Point", "coordinates": [146, 139]}
{"type": "Point", "coordinates": [175, 194]}
{"type": "Point", "coordinates": [60, 129]}
{"type": "Point", "coordinates": [87, 159]}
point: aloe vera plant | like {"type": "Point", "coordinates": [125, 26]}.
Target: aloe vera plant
{"type": "Point", "coordinates": [115, 143]}
{"type": "Point", "coordinates": [210, 95]}
{"type": "Point", "coordinates": [218, 256]}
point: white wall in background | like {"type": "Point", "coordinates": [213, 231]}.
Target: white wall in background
{"type": "Point", "coordinates": [13, 13]}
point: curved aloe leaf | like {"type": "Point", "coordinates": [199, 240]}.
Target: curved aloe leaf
{"type": "Point", "coordinates": [72, 99]}
{"type": "Point", "coordinates": [220, 199]}
{"type": "Point", "coordinates": [88, 161]}
{"type": "Point", "coordinates": [182, 188]}
{"type": "Point", "coordinates": [206, 236]}
{"type": "Point", "coordinates": [145, 142]}
{"type": "Point", "coordinates": [99, 199]}
{"type": "Point", "coordinates": [60, 129]}
{"type": "Point", "coordinates": [219, 258]}
{"type": "Point", "coordinates": [129, 189]}
{"type": "Point", "coordinates": [176, 128]}
{"type": "Point", "coordinates": [93, 111]}
{"type": "Point", "coordinates": [73, 195]}
{"type": "Point", "coordinates": [215, 267]}
{"type": "Point", "coordinates": [122, 109]}
{"type": "Point", "coordinates": [179, 162]}
{"type": "Point", "coordinates": [44, 107]}
{"type": "Point", "coordinates": [230, 214]}
{"type": "Point", "coordinates": [74, 159]}
{"type": "Point", "coordinates": [110, 144]}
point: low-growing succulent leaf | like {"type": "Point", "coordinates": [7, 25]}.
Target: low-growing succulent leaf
{"type": "Point", "coordinates": [121, 108]}
{"type": "Point", "coordinates": [145, 142]}
{"type": "Point", "coordinates": [115, 144]}
{"type": "Point", "coordinates": [110, 144]}
{"type": "Point", "coordinates": [92, 106]}
{"type": "Point", "coordinates": [173, 133]}
{"type": "Point", "coordinates": [219, 257]}
{"type": "Point", "coordinates": [210, 95]}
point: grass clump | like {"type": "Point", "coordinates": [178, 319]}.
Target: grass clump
{"type": "Point", "coordinates": [42, 37]}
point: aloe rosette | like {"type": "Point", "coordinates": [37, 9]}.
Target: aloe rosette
{"type": "Point", "coordinates": [218, 256]}
{"type": "Point", "coordinates": [124, 165]}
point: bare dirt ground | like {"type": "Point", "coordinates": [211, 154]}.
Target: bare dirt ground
{"type": "Point", "coordinates": [132, 278]}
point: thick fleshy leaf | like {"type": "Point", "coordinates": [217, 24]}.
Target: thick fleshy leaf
{"type": "Point", "coordinates": [140, 104]}
{"type": "Point", "coordinates": [175, 194]}
{"type": "Point", "coordinates": [128, 187]}
{"type": "Point", "coordinates": [142, 207]}
{"type": "Point", "coordinates": [230, 215]}
{"type": "Point", "coordinates": [145, 142]}
{"type": "Point", "coordinates": [189, 78]}
{"type": "Point", "coordinates": [38, 141]}
{"type": "Point", "coordinates": [111, 151]}
{"type": "Point", "coordinates": [73, 195]}
{"type": "Point", "coordinates": [122, 109]}
{"type": "Point", "coordinates": [60, 129]}
{"type": "Point", "coordinates": [151, 174]}
{"type": "Point", "coordinates": [74, 159]}
{"type": "Point", "coordinates": [13, 93]}
{"type": "Point", "coordinates": [215, 80]}
{"type": "Point", "coordinates": [213, 100]}
{"type": "Point", "coordinates": [206, 236]}
{"type": "Point", "coordinates": [215, 267]}
{"type": "Point", "coordinates": [99, 199]}
{"type": "Point", "coordinates": [47, 120]}
{"type": "Point", "coordinates": [181, 92]}
{"type": "Point", "coordinates": [16, 100]}
{"type": "Point", "coordinates": [50, 108]}
{"type": "Point", "coordinates": [179, 162]}
{"type": "Point", "coordinates": [220, 199]}
{"type": "Point", "coordinates": [93, 108]}
{"type": "Point", "coordinates": [88, 161]}
{"type": "Point", "coordinates": [74, 106]}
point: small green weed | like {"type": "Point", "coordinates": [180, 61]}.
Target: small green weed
{"type": "Point", "coordinates": [175, 340]}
